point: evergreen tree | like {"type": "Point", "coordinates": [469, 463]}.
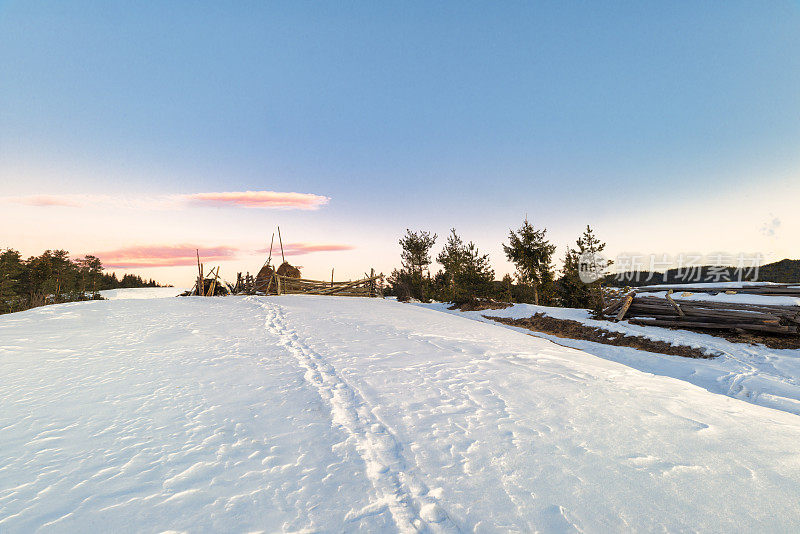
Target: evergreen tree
{"type": "Point", "coordinates": [507, 289]}
{"type": "Point", "coordinates": [65, 276]}
{"type": "Point", "coordinates": [11, 267]}
{"type": "Point", "coordinates": [467, 273]}
{"type": "Point", "coordinates": [94, 273]}
{"type": "Point", "coordinates": [532, 253]}
{"type": "Point", "coordinates": [39, 281]}
{"type": "Point", "coordinates": [452, 258]}
{"type": "Point", "coordinates": [416, 254]}
{"type": "Point", "coordinates": [411, 280]}
{"type": "Point", "coordinates": [476, 276]}
{"type": "Point", "coordinates": [572, 291]}
{"type": "Point", "coordinates": [593, 265]}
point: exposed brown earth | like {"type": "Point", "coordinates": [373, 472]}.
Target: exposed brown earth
{"type": "Point", "coordinates": [482, 304]}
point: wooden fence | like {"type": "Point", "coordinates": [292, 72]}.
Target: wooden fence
{"type": "Point", "coordinates": [371, 286]}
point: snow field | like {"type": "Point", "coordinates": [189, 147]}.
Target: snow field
{"type": "Point", "coordinates": [300, 413]}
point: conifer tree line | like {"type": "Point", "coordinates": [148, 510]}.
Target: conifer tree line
{"type": "Point", "coordinates": [54, 277]}
{"type": "Point", "coordinates": [465, 274]}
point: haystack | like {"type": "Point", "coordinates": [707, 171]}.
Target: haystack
{"type": "Point", "coordinates": [263, 277]}
{"type": "Point", "coordinates": [288, 270]}
{"type": "Point", "coordinates": [266, 273]}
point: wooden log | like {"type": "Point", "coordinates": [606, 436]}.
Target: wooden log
{"type": "Point", "coordinates": [716, 326]}
{"type": "Point", "coordinates": [726, 305]}
{"type": "Point", "coordinates": [614, 306]}
{"type": "Point", "coordinates": [774, 290]}
{"type": "Point", "coordinates": [689, 312]}
{"type": "Point", "coordinates": [372, 291]}
{"type": "Point", "coordinates": [625, 306]}
{"type": "Point", "coordinates": [674, 304]}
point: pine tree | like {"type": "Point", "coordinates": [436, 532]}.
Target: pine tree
{"type": "Point", "coordinates": [476, 277]}
{"type": "Point", "coordinates": [416, 259]}
{"type": "Point", "coordinates": [571, 290]}
{"type": "Point", "coordinates": [593, 265]}
{"type": "Point", "coordinates": [467, 273]}
{"type": "Point", "coordinates": [416, 255]}
{"type": "Point", "coordinates": [94, 271]}
{"type": "Point", "coordinates": [64, 273]}
{"type": "Point", "coordinates": [11, 267]}
{"type": "Point", "coordinates": [508, 288]}
{"type": "Point", "coordinates": [532, 253]}
{"type": "Point", "coordinates": [452, 259]}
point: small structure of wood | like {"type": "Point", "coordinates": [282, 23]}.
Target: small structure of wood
{"type": "Point", "coordinates": [653, 310]}
{"type": "Point", "coordinates": [287, 280]}
{"type": "Point", "coordinates": [210, 285]}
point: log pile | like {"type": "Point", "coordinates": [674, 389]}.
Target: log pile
{"type": "Point", "coordinates": [641, 308]}
{"type": "Point", "coordinates": [210, 285]}
{"type": "Point", "coordinates": [370, 286]}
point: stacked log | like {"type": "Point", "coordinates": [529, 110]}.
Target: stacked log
{"type": "Point", "coordinates": [371, 286]}
{"type": "Point", "coordinates": [641, 308]}
{"type": "Point", "coordinates": [213, 286]}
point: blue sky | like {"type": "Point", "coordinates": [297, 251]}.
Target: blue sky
{"type": "Point", "coordinates": [670, 127]}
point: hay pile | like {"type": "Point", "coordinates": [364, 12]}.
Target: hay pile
{"type": "Point", "coordinates": [264, 276]}
{"type": "Point", "coordinates": [288, 270]}
{"type": "Point", "coordinates": [267, 272]}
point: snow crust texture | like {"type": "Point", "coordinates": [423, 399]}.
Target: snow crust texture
{"type": "Point", "coordinates": [752, 373]}
{"type": "Point", "coordinates": [298, 413]}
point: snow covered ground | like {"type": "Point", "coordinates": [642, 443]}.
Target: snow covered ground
{"type": "Point", "coordinates": [141, 293]}
{"type": "Point", "coordinates": [300, 413]}
{"type": "Point", "coordinates": [764, 376]}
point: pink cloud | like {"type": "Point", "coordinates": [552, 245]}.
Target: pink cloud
{"type": "Point", "coordinates": [262, 199]}
{"type": "Point", "coordinates": [246, 199]}
{"type": "Point", "coordinates": [299, 249]}
{"type": "Point", "coordinates": [163, 256]}
{"type": "Point", "coordinates": [47, 200]}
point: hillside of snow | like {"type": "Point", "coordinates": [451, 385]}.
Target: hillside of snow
{"type": "Point", "coordinates": [299, 413]}
{"type": "Point", "coordinates": [753, 373]}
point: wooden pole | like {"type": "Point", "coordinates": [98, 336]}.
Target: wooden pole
{"type": "Point", "coordinates": [202, 282]}
{"type": "Point", "coordinates": [331, 277]}
{"type": "Point", "coordinates": [213, 284]}
{"type": "Point", "coordinates": [199, 274]}
{"type": "Point", "coordinates": [281, 242]}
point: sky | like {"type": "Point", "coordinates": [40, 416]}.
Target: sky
{"type": "Point", "coordinates": [140, 131]}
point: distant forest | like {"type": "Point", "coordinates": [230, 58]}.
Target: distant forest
{"type": "Point", "coordinates": [54, 277]}
{"type": "Point", "coordinates": [784, 271]}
